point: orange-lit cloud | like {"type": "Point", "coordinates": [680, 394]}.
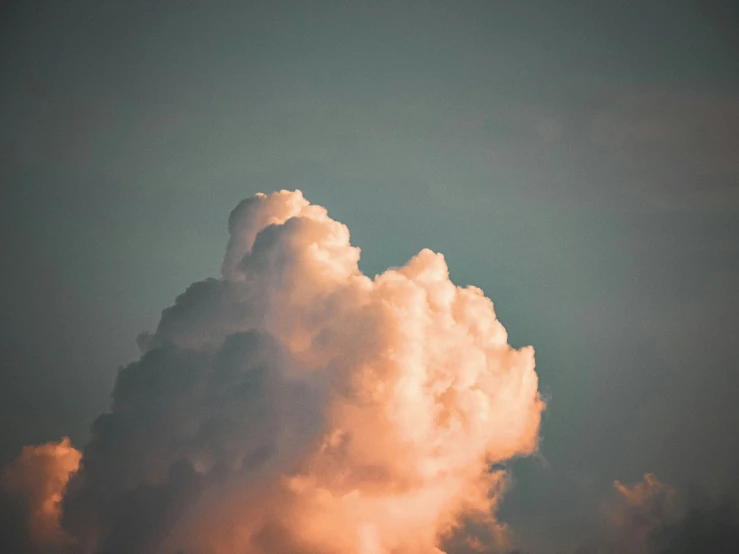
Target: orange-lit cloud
{"type": "Point", "coordinates": [38, 478]}
{"type": "Point", "coordinates": [642, 510]}
{"type": "Point", "coordinates": [297, 405]}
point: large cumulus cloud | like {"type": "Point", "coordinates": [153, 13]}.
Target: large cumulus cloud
{"type": "Point", "coordinates": [295, 405]}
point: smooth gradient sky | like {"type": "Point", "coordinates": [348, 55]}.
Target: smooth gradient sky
{"type": "Point", "coordinates": [578, 161]}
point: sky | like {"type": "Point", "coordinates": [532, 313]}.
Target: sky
{"type": "Point", "coordinates": [577, 161]}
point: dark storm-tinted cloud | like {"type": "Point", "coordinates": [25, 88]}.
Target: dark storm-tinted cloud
{"type": "Point", "coordinates": [710, 526]}
{"type": "Point", "coordinates": [651, 517]}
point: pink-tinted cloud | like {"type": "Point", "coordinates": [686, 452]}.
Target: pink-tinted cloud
{"type": "Point", "coordinates": [298, 405]}
{"type": "Point", "coordinates": [641, 510]}
{"type": "Point", "coordinates": [38, 478]}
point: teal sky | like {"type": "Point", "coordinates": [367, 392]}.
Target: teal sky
{"type": "Point", "coordinates": [579, 161]}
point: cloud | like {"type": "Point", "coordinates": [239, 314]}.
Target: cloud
{"type": "Point", "coordinates": [640, 510]}
{"type": "Point", "coordinates": [709, 526]}
{"type": "Point", "coordinates": [31, 490]}
{"type": "Point", "coordinates": [295, 405]}
{"type": "Point", "coordinates": [652, 517]}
